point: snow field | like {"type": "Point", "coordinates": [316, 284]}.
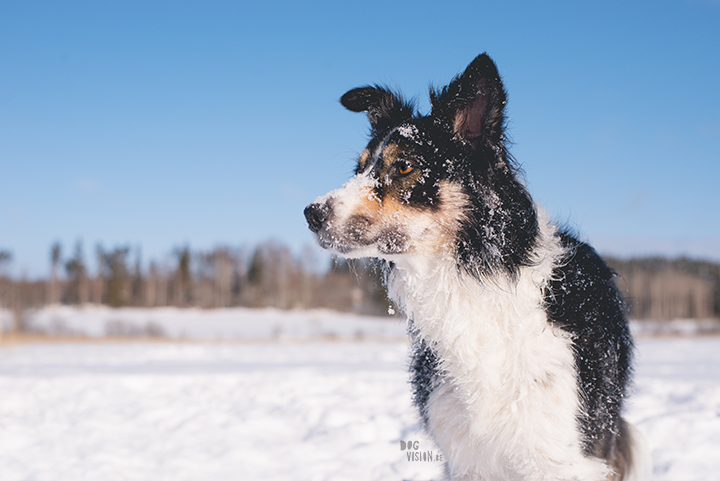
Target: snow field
{"type": "Point", "coordinates": [676, 404]}
{"type": "Point", "coordinates": [275, 411]}
{"type": "Point", "coordinates": [157, 411]}
{"type": "Point", "coordinates": [208, 324]}
{"type": "Point", "coordinates": [252, 324]}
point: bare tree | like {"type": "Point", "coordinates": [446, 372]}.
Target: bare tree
{"type": "Point", "coordinates": [137, 281]}
{"type": "Point", "coordinates": [664, 289]}
{"type": "Point", "coordinates": [77, 291]}
{"type": "Point", "coordinates": [54, 284]}
{"type": "Point", "coordinates": [5, 283]}
{"type": "Point", "coordinates": [97, 285]}
{"type": "Point", "coordinates": [182, 285]}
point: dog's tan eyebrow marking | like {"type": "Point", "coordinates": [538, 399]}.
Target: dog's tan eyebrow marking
{"type": "Point", "coordinates": [390, 154]}
{"type": "Point", "coordinates": [362, 160]}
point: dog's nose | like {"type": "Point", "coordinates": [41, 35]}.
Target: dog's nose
{"type": "Point", "coordinates": [316, 215]}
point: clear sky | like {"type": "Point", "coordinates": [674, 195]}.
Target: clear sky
{"type": "Point", "coordinates": [158, 124]}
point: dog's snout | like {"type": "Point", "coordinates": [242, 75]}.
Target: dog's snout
{"type": "Point", "coordinates": [316, 215]}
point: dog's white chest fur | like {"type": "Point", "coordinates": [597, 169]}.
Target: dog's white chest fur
{"type": "Point", "coordinates": [508, 406]}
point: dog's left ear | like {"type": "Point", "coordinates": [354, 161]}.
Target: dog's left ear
{"type": "Point", "coordinates": [474, 103]}
{"type": "Point", "coordinates": [384, 108]}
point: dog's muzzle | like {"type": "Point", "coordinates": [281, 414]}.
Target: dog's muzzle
{"type": "Point", "coordinates": [316, 214]}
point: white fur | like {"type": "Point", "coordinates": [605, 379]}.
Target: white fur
{"type": "Point", "coordinates": [508, 408]}
{"type": "Point", "coordinates": [346, 198]}
{"type": "Point", "coordinates": [509, 405]}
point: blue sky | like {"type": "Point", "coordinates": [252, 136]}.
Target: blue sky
{"type": "Point", "coordinates": [158, 124]}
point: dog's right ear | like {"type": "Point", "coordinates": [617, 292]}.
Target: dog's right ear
{"type": "Point", "coordinates": [474, 103]}
{"type": "Point", "coordinates": [385, 109]}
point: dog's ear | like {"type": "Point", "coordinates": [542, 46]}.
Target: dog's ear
{"type": "Point", "coordinates": [384, 108]}
{"type": "Point", "coordinates": [474, 103]}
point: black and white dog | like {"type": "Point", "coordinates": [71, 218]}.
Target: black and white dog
{"type": "Point", "coordinates": [522, 352]}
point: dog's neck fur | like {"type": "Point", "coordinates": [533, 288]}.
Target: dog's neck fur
{"type": "Point", "coordinates": [441, 298]}
{"type": "Point", "coordinates": [504, 365]}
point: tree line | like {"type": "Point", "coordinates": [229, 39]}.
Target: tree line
{"type": "Point", "coordinates": [268, 275]}
{"type": "Point", "coordinates": [663, 289]}
{"type": "Point", "coordinates": [271, 275]}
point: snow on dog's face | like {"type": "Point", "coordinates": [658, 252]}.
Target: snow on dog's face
{"type": "Point", "coordinates": [436, 183]}
{"type": "Point", "coordinates": [398, 202]}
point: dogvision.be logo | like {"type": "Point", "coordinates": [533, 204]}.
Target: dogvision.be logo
{"type": "Point", "coordinates": [415, 454]}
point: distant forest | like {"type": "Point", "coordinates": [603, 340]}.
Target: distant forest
{"type": "Point", "coordinates": [271, 275]}
{"type": "Point", "coordinates": [664, 289]}
{"type": "Point", "coordinates": [268, 275]}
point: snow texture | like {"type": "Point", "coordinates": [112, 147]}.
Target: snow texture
{"type": "Point", "coordinates": [302, 410]}
{"type": "Point", "coordinates": [251, 324]}
{"type": "Point", "coordinates": [210, 324]}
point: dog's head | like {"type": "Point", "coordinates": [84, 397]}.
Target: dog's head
{"type": "Point", "coordinates": [441, 183]}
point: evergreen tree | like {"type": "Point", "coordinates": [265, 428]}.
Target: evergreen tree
{"type": "Point", "coordinates": [117, 276]}
{"type": "Point", "coordinates": [54, 285]}
{"type": "Point", "coordinates": [183, 277]}
{"type": "Point", "coordinates": [77, 290]}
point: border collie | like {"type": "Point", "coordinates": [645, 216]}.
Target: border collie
{"type": "Point", "coordinates": [521, 353]}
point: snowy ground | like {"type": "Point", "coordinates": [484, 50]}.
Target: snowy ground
{"type": "Point", "coordinates": [306, 410]}
{"type": "Point", "coordinates": [207, 324]}
{"type": "Point", "coordinates": [251, 324]}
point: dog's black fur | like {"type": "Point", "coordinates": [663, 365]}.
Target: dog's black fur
{"type": "Point", "coordinates": [582, 298]}
{"type": "Point", "coordinates": [463, 142]}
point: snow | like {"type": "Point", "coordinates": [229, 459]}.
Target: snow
{"type": "Point", "coordinates": [299, 409]}
{"type": "Point", "coordinates": [677, 405]}
{"type": "Point", "coordinates": [265, 411]}
{"type": "Point", "coordinates": [212, 324]}
{"type": "Point", "coordinates": [252, 324]}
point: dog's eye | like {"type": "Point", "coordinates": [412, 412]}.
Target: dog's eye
{"type": "Point", "coordinates": [404, 168]}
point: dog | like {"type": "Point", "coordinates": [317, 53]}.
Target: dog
{"type": "Point", "coordinates": [521, 350]}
